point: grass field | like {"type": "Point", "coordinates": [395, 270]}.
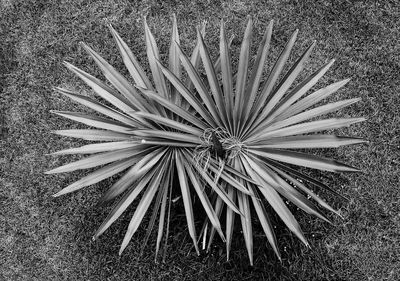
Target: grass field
{"type": "Point", "coordinates": [46, 238]}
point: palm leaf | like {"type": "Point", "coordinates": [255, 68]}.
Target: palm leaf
{"type": "Point", "coordinates": [170, 123]}
{"type": "Point", "coordinates": [285, 84]}
{"type": "Point", "coordinates": [131, 62]}
{"type": "Point", "coordinates": [93, 135]}
{"type": "Point", "coordinates": [94, 121]}
{"type": "Point", "coordinates": [258, 67]}
{"type": "Point", "coordinates": [273, 76]}
{"type": "Point", "coordinates": [158, 134]}
{"type": "Point", "coordinates": [307, 141]}
{"type": "Point", "coordinates": [219, 204]}
{"type": "Point", "coordinates": [195, 57]}
{"type": "Point", "coordinates": [284, 167]}
{"type": "Point", "coordinates": [97, 176]}
{"type": "Point", "coordinates": [145, 164]}
{"type": "Point", "coordinates": [192, 100]}
{"type": "Point", "coordinates": [302, 187]}
{"type": "Point", "coordinates": [187, 201]}
{"type": "Point", "coordinates": [212, 79]}
{"type": "Point", "coordinates": [174, 108]}
{"type": "Point", "coordinates": [153, 56]}
{"type": "Point", "coordinates": [205, 201]}
{"type": "Point", "coordinates": [97, 160]}
{"type": "Point", "coordinates": [102, 89]}
{"type": "Point", "coordinates": [124, 202]}
{"type": "Point", "coordinates": [245, 220]}
{"type": "Point", "coordinates": [312, 113]}
{"type": "Point", "coordinates": [97, 147]}
{"type": "Point", "coordinates": [109, 112]}
{"type": "Point", "coordinates": [302, 88]}
{"type": "Point", "coordinates": [118, 81]}
{"type": "Point", "coordinates": [163, 207]}
{"type": "Point", "coordinates": [273, 198]}
{"type": "Point", "coordinates": [198, 84]}
{"type": "Point", "coordinates": [242, 74]}
{"type": "Point", "coordinates": [305, 128]}
{"type": "Point", "coordinates": [312, 99]}
{"type": "Point", "coordinates": [265, 223]}
{"type": "Point", "coordinates": [226, 69]}
{"type": "Point", "coordinates": [174, 61]}
{"type": "Point", "coordinates": [144, 204]}
{"type": "Point", "coordinates": [303, 159]}
{"type": "Point", "coordinates": [230, 221]}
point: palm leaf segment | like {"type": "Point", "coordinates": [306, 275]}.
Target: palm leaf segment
{"type": "Point", "coordinates": [228, 138]}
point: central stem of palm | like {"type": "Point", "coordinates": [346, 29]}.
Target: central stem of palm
{"type": "Point", "coordinates": [218, 143]}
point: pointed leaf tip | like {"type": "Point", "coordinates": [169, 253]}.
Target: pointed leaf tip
{"type": "Point", "coordinates": [55, 195]}
{"type": "Point", "coordinates": [67, 64]}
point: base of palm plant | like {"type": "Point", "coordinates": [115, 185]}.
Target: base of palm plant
{"type": "Point", "coordinates": [229, 138]}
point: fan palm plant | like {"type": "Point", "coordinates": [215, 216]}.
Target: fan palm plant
{"type": "Point", "coordinates": [228, 139]}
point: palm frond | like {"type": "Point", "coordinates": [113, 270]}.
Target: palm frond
{"type": "Point", "coordinates": [230, 140]}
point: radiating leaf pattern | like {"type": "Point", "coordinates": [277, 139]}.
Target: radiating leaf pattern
{"type": "Point", "coordinates": [228, 139]}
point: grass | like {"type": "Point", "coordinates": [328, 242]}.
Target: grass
{"type": "Point", "coordinates": [42, 238]}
